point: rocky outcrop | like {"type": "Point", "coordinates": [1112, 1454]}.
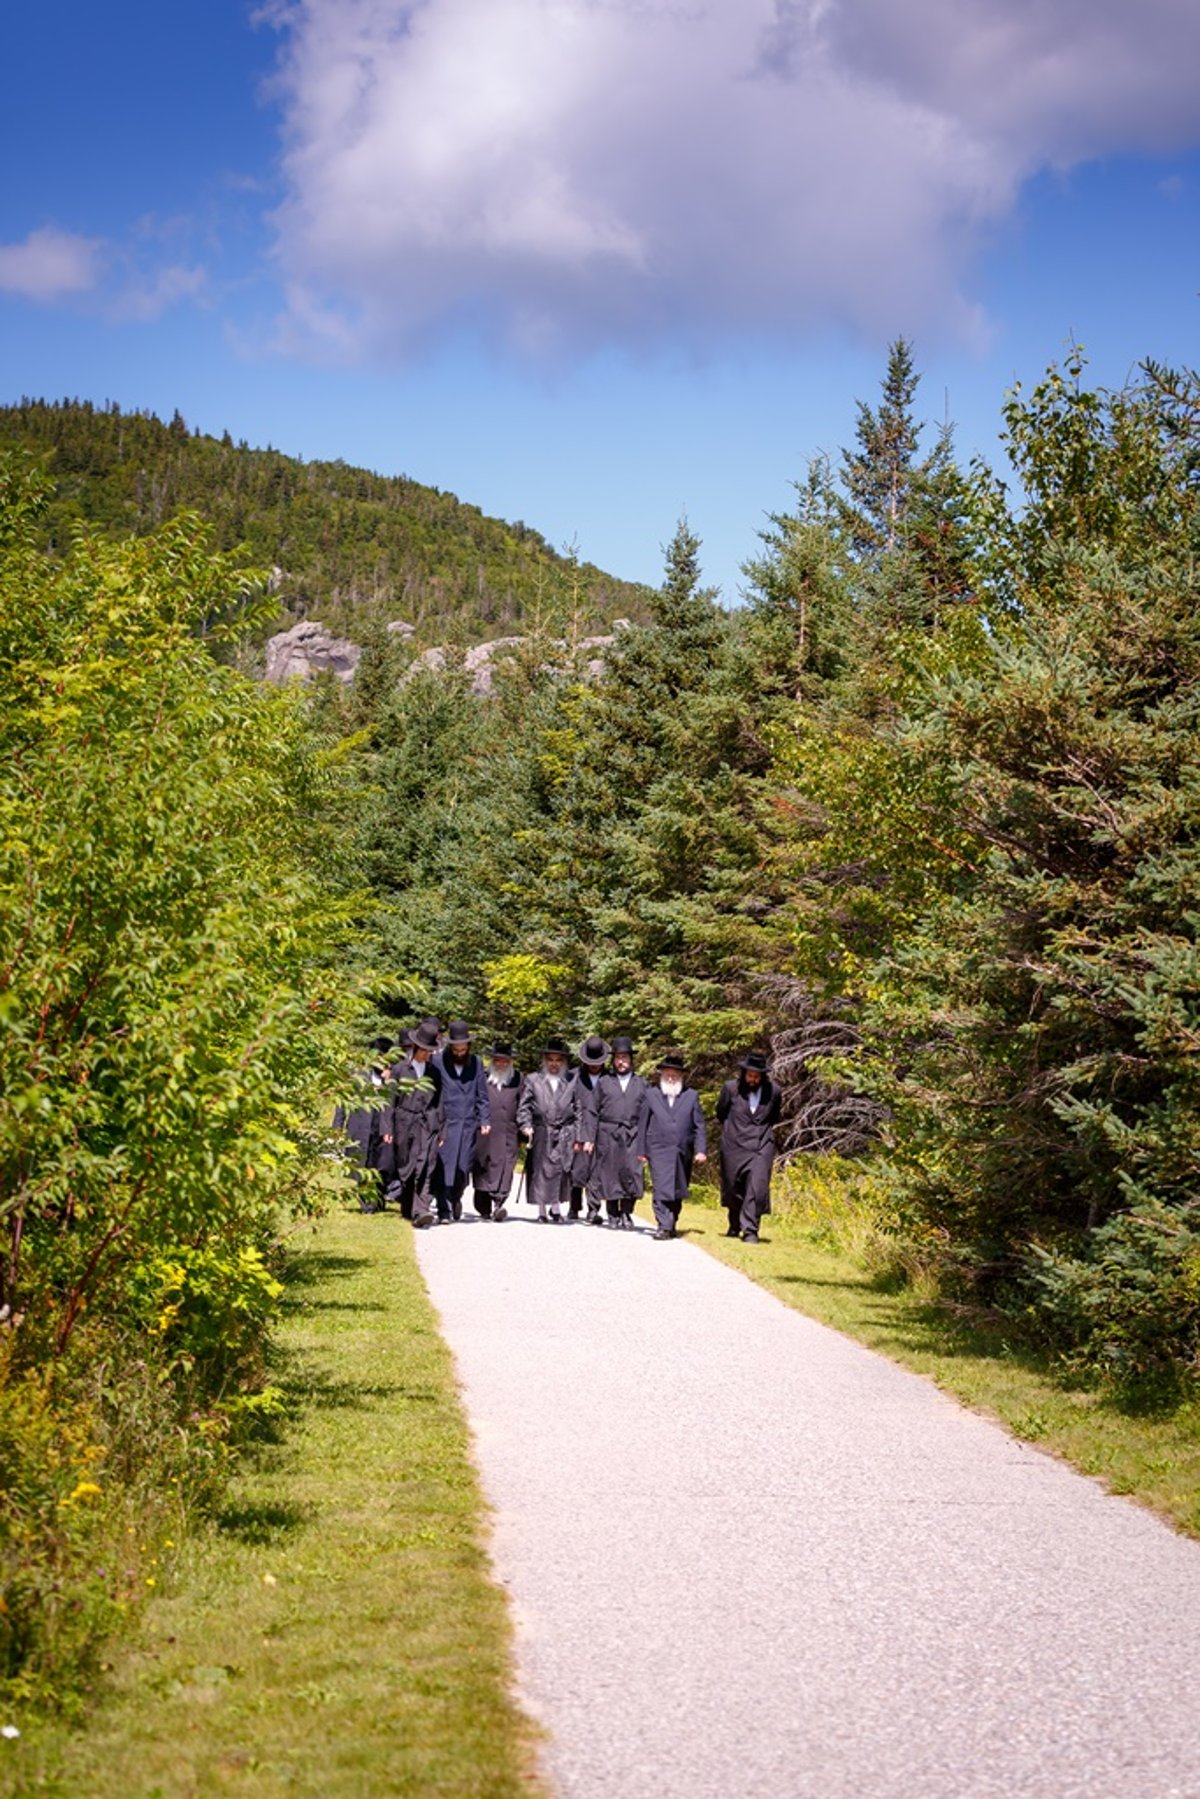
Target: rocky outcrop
{"type": "Point", "coordinates": [309, 649]}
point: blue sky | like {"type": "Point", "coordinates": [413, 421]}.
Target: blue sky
{"type": "Point", "coordinates": [591, 263]}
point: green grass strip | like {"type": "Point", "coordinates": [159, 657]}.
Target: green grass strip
{"type": "Point", "coordinates": [338, 1631]}
{"type": "Point", "coordinates": [1134, 1447]}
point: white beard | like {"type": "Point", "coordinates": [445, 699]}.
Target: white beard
{"type": "Point", "coordinates": [497, 1080]}
{"type": "Point", "coordinates": [672, 1089]}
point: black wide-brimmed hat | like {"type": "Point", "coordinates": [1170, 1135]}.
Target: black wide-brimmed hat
{"type": "Point", "coordinates": [594, 1051]}
{"type": "Point", "coordinates": [755, 1061]}
{"type": "Point", "coordinates": [426, 1035]}
{"type": "Point", "coordinates": [502, 1049]}
{"type": "Point", "coordinates": [459, 1032]}
{"type": "Point", "coordinates": [622, 1046]}
{"type": "Point", "coordinates": [405, 1039]}
{"type": "Point", "coordinates": [673, 1061]}
{"type": "Point", "coordinates": [556, 1046]}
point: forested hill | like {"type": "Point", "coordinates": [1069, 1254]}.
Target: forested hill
{"type": "Point", "coordinates": [351, 546]}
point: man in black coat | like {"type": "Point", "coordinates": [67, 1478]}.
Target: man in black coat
{"type": "Point", "coordinates": [364, 1125]}
{"type": "Point", "coordinates": [546, 1119]}
{"type": "Point", "coordinates": [672, 1138]}
{"type": "Point", "coordinates": [466, 1115]}
{"type": "Point", "coordinates": [591, 1055]}
{"type": "Point", "coordinates": [496, 1149]}
{"type": "Point", "coordinates": [748, 1110]}
{"type": "Point", "coordinates": [617, 1180]}
{"type": "Point", "coordinates": [417, 1121]}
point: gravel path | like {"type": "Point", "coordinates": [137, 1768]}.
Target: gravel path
{"type": "Point", "coordinates": [749, 1559]}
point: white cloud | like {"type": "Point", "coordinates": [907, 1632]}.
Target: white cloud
{"type": "Point", "coordinates": [561, 173]}
{"type": "Point", "coordinates": [50, 263]}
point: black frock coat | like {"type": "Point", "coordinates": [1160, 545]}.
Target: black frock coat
{"type": "Point", "coordinates": [465, 1107]}
{"type": "Point", "coordinates": [588, 1087]}
{"type": "Point", "coordinates": [496, 1154]}
{"type": "Point", "coordinates": [616, 1171]}
{"type": "Point", "coordinates": [417, 1119]}
{"type": "Point", "coordinates": [672, 1136]}
{"type": "Point", "coordinates": [748, 1143]}
{"type": "Point", "coordinates": [550, 1115]}
{"type": "Point", "coordinates": [363, 1124]}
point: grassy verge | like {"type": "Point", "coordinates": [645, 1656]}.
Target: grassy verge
{"type": "Point", "coordinates": [1152, 1454]}
{"type": "Point", "coordinates": [337, 1632]}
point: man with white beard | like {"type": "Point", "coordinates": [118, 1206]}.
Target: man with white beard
{"type": "Point", "coordinates": [672, 1139]}
{"type": "Point", "coordinates": [496, 1153]}
{"type": "Point", "coordinates": [546, 1118]}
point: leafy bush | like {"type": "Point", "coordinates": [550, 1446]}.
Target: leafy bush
{"type": "Point", "coordinates": [1130, 1306]}
{"type": "Point", "coordinates": [211, 1311]}
{"type": "Point", "coordinates": [171, 1024]}
{"type": "Point", "coordinates": [97, 1478]}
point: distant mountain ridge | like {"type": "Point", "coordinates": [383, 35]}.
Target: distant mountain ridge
{"type": "Point", "coordinates": [349, 547]}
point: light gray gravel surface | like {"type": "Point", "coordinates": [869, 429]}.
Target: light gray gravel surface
{"type": "Point", "coordinates": [748, 1558]}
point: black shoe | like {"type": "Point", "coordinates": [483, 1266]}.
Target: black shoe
{"type": "Point", "coordinates": [662, 1236]}
{"type": "Point", "coordinates": [731, 1232]}
{"type": "Point", "coordinates": [423, 1223]}
{"type": "Point", "coordinates": [749, 1236]}
{"type": "Point", "coordinates": [593, 1216]}
{"type": "Point", "coordinates": [542, 1218]}
{"type": "Point", "coordinates": [557, 1218]}
{"type": "Point", "coordinates": [499, 1215]}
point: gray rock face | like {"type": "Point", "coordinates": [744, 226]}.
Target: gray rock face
{"type": "Point", "coordinates": [307, 649]}
{"type": "Point", "coordinates": [480, 662]}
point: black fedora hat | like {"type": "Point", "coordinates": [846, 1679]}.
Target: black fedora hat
{"type": "Point", "coordinates": [426, 1035]}
{"type": "Point", "coordinates": [673, 1061]}
{"type": "Point", "coordinates": [755, 1061]}
{"type": "Point", "coordinates": [459, 1032]}
{"type": "Point", "coordinates": [594, 1051]}
{"type": "Point", "coordinates": [556, 1046]}
{"type": "Point", "coordinates": [622, 1046]}
{"type": "Point", "coordinates": [500, 1048]}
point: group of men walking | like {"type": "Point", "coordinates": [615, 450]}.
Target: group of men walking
{"type": "Point", "coordinates": [438, 1115]}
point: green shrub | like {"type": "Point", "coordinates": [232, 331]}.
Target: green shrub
{"type": "Point", "coordinates": [97, 1478]}
{"type": "Point", "coordinates": [1129, 1305]}
{"type": "Point", "coordinates": [172, 1023]}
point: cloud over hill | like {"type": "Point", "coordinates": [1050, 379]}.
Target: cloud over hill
{"type": "Point", "coordinates": [558, 174]}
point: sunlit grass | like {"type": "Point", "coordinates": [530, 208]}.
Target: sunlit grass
{"type": "Point", "coordinates": [337, 1633]}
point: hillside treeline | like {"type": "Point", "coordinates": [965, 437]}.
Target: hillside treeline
{"type": "Point", "coordinates": [352, 548]}
{"type": "Point", "coordinates": [923, 814]}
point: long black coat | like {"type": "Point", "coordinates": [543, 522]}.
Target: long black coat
{"type": "Point", "coordinates": [748, 1142]}
{"type": "Point", "coordinates": [671, 1137]}
{"type": "Point", "coordinates": [496, 1154]}
{"type": "Point", "coordinates": [417, 1119]}
{"type": "Point", "coordinates": [363, 1124]}
{"type": "Point", "coordinates": [588, 1089]}
{"type": "Point", "coordinates": [617, 1172]}
{"type": "Point", "coordinates": [550, 1115]}
{"type": "Point", "coordinates": [465, 1107]}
